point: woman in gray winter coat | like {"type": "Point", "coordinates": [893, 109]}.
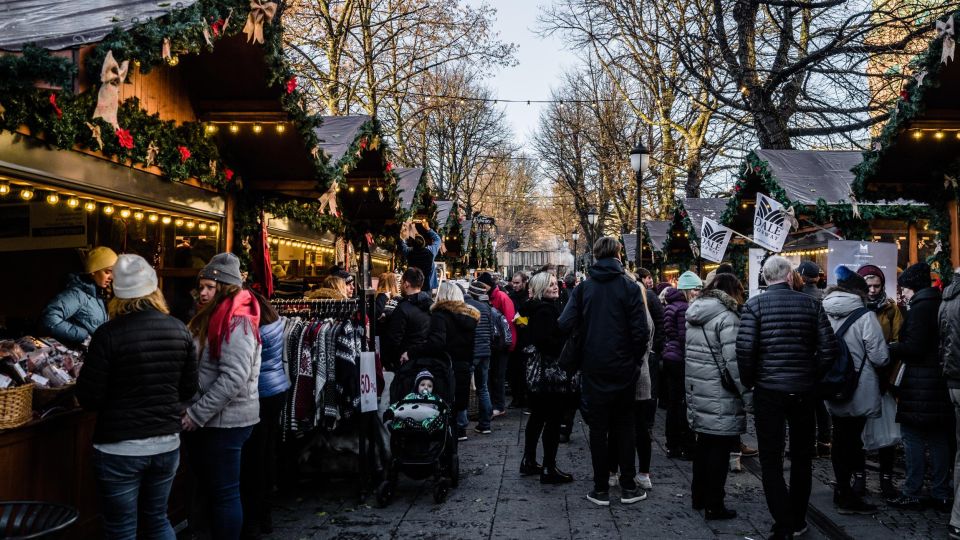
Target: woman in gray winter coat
{"type": "Point", "coordinates": [715, 414]}
{"type": "Point", "coordinates": [865, 343]}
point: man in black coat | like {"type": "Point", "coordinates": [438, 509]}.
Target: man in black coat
{"type": "Point", "coordinates": [609, 313]}
{"type": "Point", "coordinates": [950, 353]}
{"type": "Point", "coordinates": [409, 324]}
{"type": "Point", "coordinates": [784, 347]}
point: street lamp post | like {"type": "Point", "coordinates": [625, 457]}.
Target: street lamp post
{"type": "Point", "coordinates": [592, 220]}
{"type": "Point", "coordinates": [640, 162]}
{"type": "Point", "coordinates": [493, 246]}
{"type": "Point", "coordinates": [576, 236]}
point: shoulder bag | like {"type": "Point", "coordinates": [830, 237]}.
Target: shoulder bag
{"type": "Point", "coordinates": [726, 380]}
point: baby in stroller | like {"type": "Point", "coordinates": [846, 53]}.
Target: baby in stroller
{"type": "Point", "coordinates": [412, 411]}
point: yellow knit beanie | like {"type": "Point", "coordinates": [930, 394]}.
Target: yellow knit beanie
{"type": "Point", "coordinates": [100, 258]}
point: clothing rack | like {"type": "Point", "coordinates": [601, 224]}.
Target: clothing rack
{"type": "Point", "coordinates": [340, 309]}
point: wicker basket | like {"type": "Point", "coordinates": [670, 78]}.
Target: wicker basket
{"type": "Point", "coordinates": [16, 406]}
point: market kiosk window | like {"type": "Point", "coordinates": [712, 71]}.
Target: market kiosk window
{"type": "Point", "coordinates": [295, 258]}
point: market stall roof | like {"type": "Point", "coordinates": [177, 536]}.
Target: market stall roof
{"type": "Point", "coordinates": [408, 181]}
{"type": "Point", "coordinates": [658, 231]}
{"type": "Point", "coordinates": [630, 246]}
{"type": "Point", "coordinates": [810, 175]}
{"type": "Point", "coordinates": [59, 24]}
{"type": "Point", "coordinates": [698, 207]}
{"type": "Point", "coordinates": [467, 223]}
{"type": "Point", "coordinates": [443, 212]}
{"type": "Point", "coordinates": [337, 134]}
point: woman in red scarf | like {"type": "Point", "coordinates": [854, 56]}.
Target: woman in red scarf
{"type": "Point", "coordinates": [227, 406]}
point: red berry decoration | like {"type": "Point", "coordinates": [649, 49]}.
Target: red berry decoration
{"type": "Point", "coordinates": [737, 188]}
{"type": "Point", "coordinates": [217, 27]}
{"type": "Point", "coordinates": [291, 84]}
{"type": "Point", "coordinates": [229, 174]}
{"type": "Point", "coordinates": [184, 153]}
{"type": "Point", "coordinates": [389, 166]}
{"type": "Point", "coordinates": [904, 95]}
{"type": "Point", "coordinates": [53, 102]}
{"type": "Point", "coordinates": [124, 138]}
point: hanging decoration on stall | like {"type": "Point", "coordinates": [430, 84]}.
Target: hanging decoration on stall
{"type": "Point", "coordinates": [945, 30]}
{"type": "Point", "coordinates": [112, 76]}
{"type": "Point", "coordinates": [259, 10]}
{"type": "Point", "coordinates": [95, 133]}
{"type": "Point", "coordinates": [770, 227]}
{"type": "Point", "coordinates": [328, 201]}
{"type": "Point", "coordinates": [714, 239]}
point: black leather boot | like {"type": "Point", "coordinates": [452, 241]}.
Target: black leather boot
{"type": "Point", "coordinates": [530, 466]}
{"type": "Point", "coordinates": [553, 475]}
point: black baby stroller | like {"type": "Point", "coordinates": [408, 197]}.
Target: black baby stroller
{"type": "Point", "coordinates": [421, 452]}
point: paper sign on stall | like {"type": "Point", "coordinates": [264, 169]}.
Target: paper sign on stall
{"type": "Point", "coordinates": [713, 240]}
{"type": "Point", "coordinates": [770, 227]}
{"type": "Point", "coordinates": [368, 382]}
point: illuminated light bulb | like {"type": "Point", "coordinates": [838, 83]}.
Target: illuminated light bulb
{"type": "Point", "coordinates": [138, 215]}
{"type": "Point", "coordinates": [53, 198]}
{"type": "Point", "coordinates": [214, 227]}
{"type": "Point", "coordinates": [73, 202]}
{"type": "Point", "coordinates": [274, 241]}
{"type": "Point", "coordinates": [257, 129]}
{"type": "Point", "coordinates": [173, 61]}
{"type": "Point", "coordinates": [191, 224]}
{"type": "Point", "coordinates": [26, 193]}
{"type": "Point", "coordinates": [166, 220]}
{"type": "Point", "coordinates": [210, 129]}
{"type": "Point", "coordinates": [938, 135]}
{"type": "Point", "coordinates": [380, 189]}
{"type": "Point", "coordinates": [917, 134]}
{"type": "Point", "coordinates": [125, 213]}
{"type": "Point", "coordinates": [153, 218]}
{"type": "Point", "coordinates": [178, 222]}
{"type": "Point", "coordinates": [202, 226]}
{"type": "Point", "coordinates": [281, 127]}
{"type": "Point", "coordinates": [958, 135]}
{"type": "Point", "coordinates": [90, 206]}
{"type": "Point", "coordinates": [234, 128]}
{"type": "Point", "coordinates": [108, 209]}
{"type": "Point", "coordinates": [351, 189]}
{"type": "Point", "coordinates": [4, 188]}
{"type": "Point", "coordinates": [366, 189]}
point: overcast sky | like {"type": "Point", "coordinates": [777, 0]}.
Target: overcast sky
{"type": "Point", "coordinates": [541, 62]}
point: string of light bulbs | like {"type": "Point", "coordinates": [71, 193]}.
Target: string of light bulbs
{"type": "Point", "coordinates": [938, 134]}
{"type": "Point", "coordinates": [28, 192]}
{"type": "Point", "coordinates": [234, 126]}
{"type": "Point", "coordinates": [277, 240]}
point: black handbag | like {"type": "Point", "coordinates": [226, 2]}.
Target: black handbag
{"type": "Point", "coordinates": [726, 380]}
{"type": "Point", "coordinates": [571, 356]}
{"type": "Point", "coordinates": [545, 376]}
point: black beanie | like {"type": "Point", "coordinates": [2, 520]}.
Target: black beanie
{"type": "Point", "coordinates": [848, 279]}
{"type": "Point", "coordinates": [915, 277]}
{"type": "Point", "coordinates": [487, 279]}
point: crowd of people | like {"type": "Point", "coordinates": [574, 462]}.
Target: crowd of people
{"type": "Point", "coordinates": [880, 371]}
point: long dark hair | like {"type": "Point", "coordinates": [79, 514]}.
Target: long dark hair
{"type": "Point", "coordinates": [268, 314]}
{"type": "Point", "coordinates": [200, 322]}
{"type": "Point", "coordinates": [727, 283]}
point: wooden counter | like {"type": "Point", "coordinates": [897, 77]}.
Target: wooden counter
{"type": "Point", "coordinates": [52, 460]}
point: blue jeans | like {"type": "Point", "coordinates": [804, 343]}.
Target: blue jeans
{"type": "Point", "coordinates": [128, 483]}
{"type": "Point", "coordinates": [914, 443]}
{"type": "Point", "coordinates": [480, 378]}
{"type": "Point", "coordinates": [215, 459]}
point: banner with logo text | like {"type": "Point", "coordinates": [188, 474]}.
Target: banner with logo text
{"type": "Point", "coordinates": [713, 240]}
{"type": "Point", "coordinates": [770, 227]}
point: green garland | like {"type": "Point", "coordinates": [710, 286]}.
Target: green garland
{"type": "Point", "coordinates": [180, 152]}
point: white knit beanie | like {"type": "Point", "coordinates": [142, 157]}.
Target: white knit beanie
{"type": "Point", "coordinates": [133, 277]}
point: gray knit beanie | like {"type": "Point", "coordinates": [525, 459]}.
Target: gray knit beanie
{"type": "Point", "coordinates": [223, 268]}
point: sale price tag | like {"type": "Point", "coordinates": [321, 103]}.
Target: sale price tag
{"type": "Point", "coordinates": [368, 382]}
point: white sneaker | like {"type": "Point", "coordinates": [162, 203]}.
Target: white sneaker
{"type": "Point", "coordinates": [614, 479]}
{"type": "Point", "coordinates": [735, 465]}
{"type": "Point", "coordinates": [643, 481]}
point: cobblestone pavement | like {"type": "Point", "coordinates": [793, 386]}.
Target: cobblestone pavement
{"type": "Point", "coordinates": [494, 501]}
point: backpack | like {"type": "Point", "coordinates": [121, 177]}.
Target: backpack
{"type": "Point", "coordinates": [500, 336]}
{"type": "Point", "coordinates": [839, 384]}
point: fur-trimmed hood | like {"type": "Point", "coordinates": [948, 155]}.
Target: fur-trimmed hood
{"type": "Point", "coordinates": [325, 293]}
{"type": "Point", "coordinates": [457, 308]}
{"type": "Point", "coordinates": [708, 305]}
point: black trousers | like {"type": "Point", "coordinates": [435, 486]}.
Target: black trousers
{"type": "Point", "coordinates": [710, 465]}
{"type": "Point", "coordinates": [517, 376]}
{"type": "Point", "coordinates": [847, 452]}
{"type": "Point", "coordinates": [677, 430]}
{"type": "Point", "coordinates": [606, 412]}
{"type": "Point", "coordinates": [774, 411]}
{"type": "Point", "coordinates": [258, 465]}
{"type": "Point", "coordinates": [644, 413]}
{"type": "Point", "coordinates": [823, 422]}
{"type": "Point", "coordinates": [546, 414]}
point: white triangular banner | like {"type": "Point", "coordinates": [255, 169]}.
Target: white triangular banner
{"type": "Point", "coordinates": [770, 228]}
{"type": "Point", "coordinates": [713, 240]}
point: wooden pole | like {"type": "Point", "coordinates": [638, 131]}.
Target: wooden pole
{"type": "Point", "coordinates": [954, 234]}
{"type": "Point", "coordinates": [228, 222]}
{"type": "Point", "coordinates": [912, 240]}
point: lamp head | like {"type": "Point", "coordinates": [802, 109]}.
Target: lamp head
{"type": "Point", "coordinates": [640, 158]}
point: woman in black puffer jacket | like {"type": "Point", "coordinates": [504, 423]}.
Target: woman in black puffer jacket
{"type": "Point", "coordinates": [452, 327]}
{"type": "Point", "coordinates": [924, 411]}
{"type": "Point", "coordinates": [546, 409]}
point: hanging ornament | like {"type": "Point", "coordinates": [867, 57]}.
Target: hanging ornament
{"type": "Point", "coordinates": [152, 151]}
{"type": "Point", "coordinates": [124, 138]}
{"type": "Point", "coordinates": [328, 201]}
{"type": "Point", "coordinates": [95, 133]}
{"type": "Point", "coordinates": [369, 238]}
{"type": "Point", "coordinates": [165, 50]}
{"type": "Point", "coordinates": [363, 143]}
{"type": "Point", "coordinates": [315, 152]}
{"type": "Point", "coordinates": [291, 84]}
{"type": "Point", "coordinates": [53, 103]}
{"type": "Point", "coordinates": [184, 153]}
{"type": "Point", "coordinates": [213, 167]}
{"type": "Point", "coordinates": [946, 31]}
{"type": "Point", "coordinates": [389, 166]}
{"type": "Point", "coordinates": [112, 76]}
{"type": "Point", "coordinates": [206, 33]}
{"type": "Point", "coordinates": [877, 146]}
{"type": "Point", "coordinates": [375, 143]}
{"type": "Point", "coordinates": [855, 205]}
{"type": "Point", "coordinates": [919, 77]}
{"type": "Point", "coordinates": [228, 173]}
{"type": "Point", "coordinates": [949, 181]}
{"type": "Point", "coordinates": [259, 11]}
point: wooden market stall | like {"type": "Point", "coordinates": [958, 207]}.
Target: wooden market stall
{"type": "Point", "coordinates": [680, 248]}
{"type": "Point", "coordinates": [137, 126]}
{"type": "Point", "coordinates": [917, 154]}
